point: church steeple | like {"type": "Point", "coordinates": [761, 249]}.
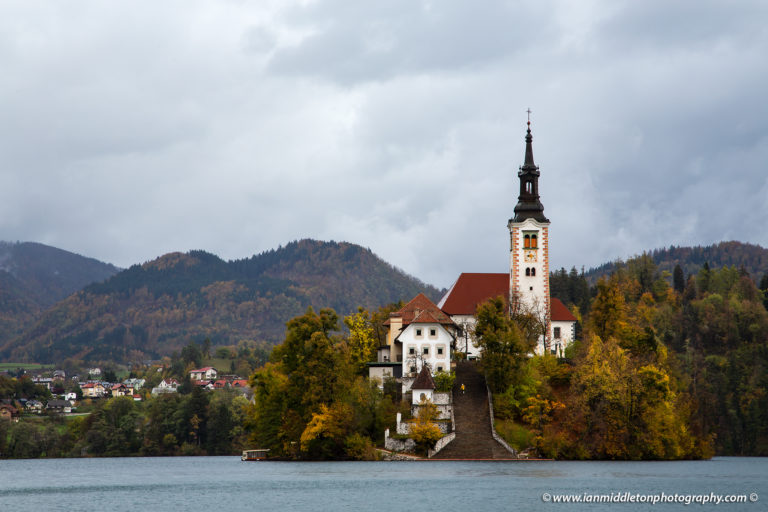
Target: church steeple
{"type": "Point", "coordinates": [528, 204]}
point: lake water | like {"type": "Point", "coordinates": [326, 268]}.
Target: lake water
{"type": "Point", "coordinates": [224, 484]}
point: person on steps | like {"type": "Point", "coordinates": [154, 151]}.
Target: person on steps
{"type": "Point", "coordinates": [462, 388]}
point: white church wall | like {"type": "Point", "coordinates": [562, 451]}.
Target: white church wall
{"type": "Point", "coordinates": [467, 342]}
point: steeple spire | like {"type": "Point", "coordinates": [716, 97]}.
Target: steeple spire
{"type": "Point", "coordinates": [528, 204]}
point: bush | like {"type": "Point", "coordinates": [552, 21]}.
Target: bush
{"type": "Point", "coordinates": [444, 381]}
{"type": "Point", "coordinates": [360, 447]}
{"type": "Point", "coordinates": [516, 435]}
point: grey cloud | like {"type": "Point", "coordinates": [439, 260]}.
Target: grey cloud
{"type": "Point", "coordinates": [355, 42]}
{"type": "Point", "coordinates": [126, 132]}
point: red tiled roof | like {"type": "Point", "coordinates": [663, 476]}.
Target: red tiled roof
{"type": "Point", "coordinates": [239, 383]}
{"type": "Point", "coordinates": [558, 312]}
{"type": "Point", "coordinates": [425, 317]}
{"type": "Point", "coordinates": [418, 307]}
{"type": "Point", "coordinates": [471, 289]}
{"type": "Point", "coordinates": [424, 379]}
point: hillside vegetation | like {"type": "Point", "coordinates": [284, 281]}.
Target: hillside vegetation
{"type": "Point", "coordinates": [662, 371]}
{"type": "Point", "coordinates": [750, 257]}
{"type": "Point", "coordinates": [34, 276]}
{"type": "Point", "coordinates": [155, 309]}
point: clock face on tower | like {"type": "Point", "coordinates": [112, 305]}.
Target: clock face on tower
{"type": "Point", "coordinates": [530, 256]}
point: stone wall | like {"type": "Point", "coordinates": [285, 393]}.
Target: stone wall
{"type": "Point", "coordinates": [496, 436]}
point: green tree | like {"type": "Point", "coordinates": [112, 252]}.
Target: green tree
{"type": "Point", "coordinates": [678, 279]}
{"type": "Point", "coordinates": [504, 344]}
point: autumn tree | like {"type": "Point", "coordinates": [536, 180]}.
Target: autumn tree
{"type": "Point", "coordinates": [362, 341]}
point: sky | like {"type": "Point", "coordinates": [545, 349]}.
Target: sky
{"type": "Point", "coordinates": [132, 129]}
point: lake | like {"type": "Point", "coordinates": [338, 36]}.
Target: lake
{"type": "Point", "coordinates": [224, 484]}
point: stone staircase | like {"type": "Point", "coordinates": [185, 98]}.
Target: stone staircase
{"type": "Point", "coordinates": [474, 439]}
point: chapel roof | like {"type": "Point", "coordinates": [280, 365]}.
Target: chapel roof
{"type": "Point", "coordinates": [558, 312]}
{"type": "Point", "coordinates": [424, 380]}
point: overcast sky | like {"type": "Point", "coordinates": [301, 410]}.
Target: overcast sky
{"type": "Point", "coordinates": [133, 129]}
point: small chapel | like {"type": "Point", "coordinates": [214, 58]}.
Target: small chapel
{"type": "Point", "coordinates": [426, 333]}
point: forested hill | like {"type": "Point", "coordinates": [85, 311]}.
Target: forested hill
{"type": "Point", "coordinates": [750, 257]}
{"type": "Point", "coordinates": [154, 309]}
{"type": "Point", "coordinates": [35, 276]}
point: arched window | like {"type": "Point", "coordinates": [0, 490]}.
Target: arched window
{"type": "Point", "coordinates": [529, 187]}
{"type": "Point", "coordinates": [533, 272]}
{"type": "Point", "coordinates": [533, 242]}
{"type": "Point", "coordinates": [527, 271]}
{"type": "Point", "coordinates": [527, 241]}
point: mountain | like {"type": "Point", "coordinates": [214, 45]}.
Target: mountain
{"type": "Point", "coordinates": [154, 309]}
{"type": "Point", "coordinates": [751, 257]}
{"type": "Point", "coordinates": [34, 276]}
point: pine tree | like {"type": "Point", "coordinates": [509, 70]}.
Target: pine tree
{"type": "Point", "coordinates": [678, 279]}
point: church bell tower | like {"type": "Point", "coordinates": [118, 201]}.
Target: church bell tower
{"type": "Point", "coordinates": [529, 246]}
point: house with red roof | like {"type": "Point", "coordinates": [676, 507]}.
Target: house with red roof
{"type": "Point", "coordinates": [93, 390]}
{"type": "Point", "coordinates": [420, 334]}
{"type": "Point", "coordinates": [207, 373]}
{"type": "Point", "coordinates": [120, 390]}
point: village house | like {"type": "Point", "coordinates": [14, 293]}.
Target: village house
{"type": "Point", "coordinates": [165, 386]}
{"type": "Point", "coordinates": [8, 413]}
{"type": "Point", "coordinates": [120, 390]}
{"type": "Point", "coordinates": [207, 373]}
{"type": "Point", "coordinates": [134, 384]}
{"type": "Point", "coordinates": [57, 406]}
{"type": "Point", "coordinates": [34, 406]}
{"type": "Point", "coordinates": [93, 390]}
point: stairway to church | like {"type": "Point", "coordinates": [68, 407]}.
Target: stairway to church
{"type": "Point", "coordinates": [472, 416]}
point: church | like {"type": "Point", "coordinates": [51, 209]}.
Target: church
{"type": "Point", "coordinates": [425, 333]}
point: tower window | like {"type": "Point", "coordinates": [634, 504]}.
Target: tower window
{"type": "Point", "coordinates": [533, 272]}
{"type": "Point", "coordinates": [527, 241]}
{"type": "Point", "coordinates": [533, 242]}
{"type": "Point", "coordinates": [529, 187]}
{"type": "Point", "coordinates": [527, 271]}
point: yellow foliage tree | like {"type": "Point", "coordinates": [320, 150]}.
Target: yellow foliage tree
{"type": "Point", "coordinates": [423, 429]}
{"type": "Point", "coordinates": [362, 339]}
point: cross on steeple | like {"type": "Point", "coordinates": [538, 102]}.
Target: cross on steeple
{"type": "Point", "coordinates": [529, 116]}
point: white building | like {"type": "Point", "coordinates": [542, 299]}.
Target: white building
{"type": "Point", "coordinates": [207, 373]}
{"type": "Point", "coordinates": [420, 334]}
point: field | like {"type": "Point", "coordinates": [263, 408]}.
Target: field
{"type": "Point", "coordinates": [26, 366]}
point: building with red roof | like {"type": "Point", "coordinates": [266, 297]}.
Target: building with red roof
{"type": "Point", "coordinates": [207, 373]}
{"type": "Point", "coordinates": [420, 334]}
